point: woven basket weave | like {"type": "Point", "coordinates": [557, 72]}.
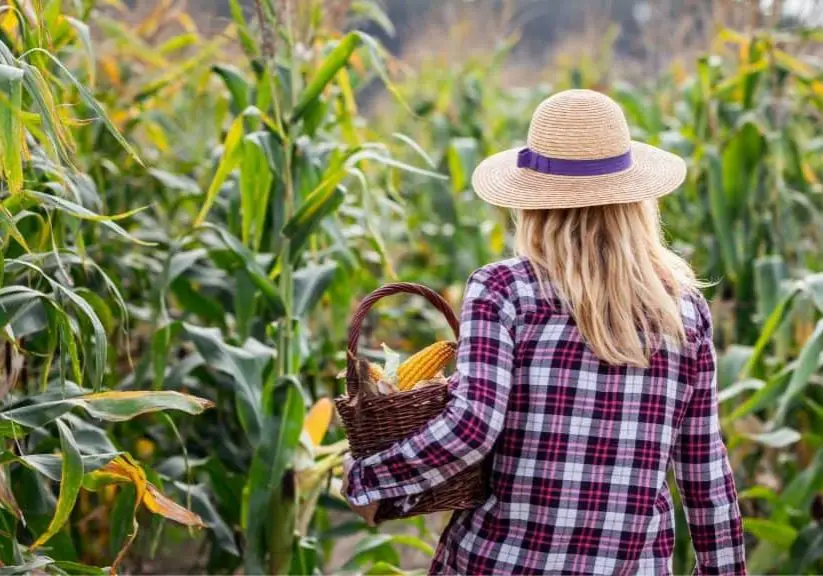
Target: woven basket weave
{"type": "Point", "coordinates": [373, 423]}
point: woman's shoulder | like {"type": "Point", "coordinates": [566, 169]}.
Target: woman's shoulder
{"type": "Point", "coordinates": [504, 272]}
{"type": "Point", "coordinates": [696, 313]}
{"type": "Point", "coordinates": [512, 279]}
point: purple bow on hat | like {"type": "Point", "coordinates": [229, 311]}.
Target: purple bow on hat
{"type": "Point", "coordinates": [532, 160]}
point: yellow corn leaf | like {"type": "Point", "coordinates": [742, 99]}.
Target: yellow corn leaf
{"type": "Point", "coordinates": [94, 481]}
{"type": "Point", "coordinates": [344, 81]}
{"type": "Point", "coordinates": [727, 35]}
{"type": "Point", "coordinates": [157, 136]}
{"type": "Point", "coordinates": [125, 469]}
{"type": "Point", "coordinates": [177, 43]}
{"type": "Point", "coordinates": [794, 65]}
{"type": "Point", "coordinates": [8, 23]}
{"type": "Point", "coordinates": [809, 173]}
{"type": "Point", "coordinates": [168, 508]}
{"type": "Point", "coordinates": [227, 163]}
{"type": "Point", "coordinates": [153, 19]}
{"type": "Point", "coordinates": [318, 419]}
{"type": "Point", "coordinates": [742, 72]}
{"type": "Point", "coordinates": [125, 466]}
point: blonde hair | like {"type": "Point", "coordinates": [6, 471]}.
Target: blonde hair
{"type": "Point", "coordinates": [610, 266]}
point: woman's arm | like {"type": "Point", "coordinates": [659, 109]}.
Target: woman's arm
{"type": "Point", "coordinates": [468, 428]}
{"type": "Point", "coordinates": [704, 475]}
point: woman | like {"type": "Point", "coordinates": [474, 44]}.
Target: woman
{"type": "Point", "coordinates": [585, 367]}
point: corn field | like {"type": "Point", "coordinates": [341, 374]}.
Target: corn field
{"type": "Point", "coordinates": [188, 219]}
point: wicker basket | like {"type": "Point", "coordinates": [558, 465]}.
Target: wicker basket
{"type": "Point", "coordinates": [374, 423]}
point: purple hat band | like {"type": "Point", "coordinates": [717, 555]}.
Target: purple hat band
{"type": "Point", "coordinates": [532, 160]}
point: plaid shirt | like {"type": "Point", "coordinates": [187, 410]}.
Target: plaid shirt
{"type": "Point", "coordinates": [579, 448]}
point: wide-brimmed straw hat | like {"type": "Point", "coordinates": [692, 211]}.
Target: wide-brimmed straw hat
{"type": "Point", "coordinates": [578, 153]}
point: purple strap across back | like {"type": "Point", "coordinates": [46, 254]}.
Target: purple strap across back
{"type": "Point", "coordinates": [532, 160]}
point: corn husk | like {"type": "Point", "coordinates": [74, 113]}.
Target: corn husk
{"type": "Point", "coordinates": [387, 384]}
{"type": "Point", "coordinates": [439, 379]}
{"type": "Point", "coordinates": [391, 365]}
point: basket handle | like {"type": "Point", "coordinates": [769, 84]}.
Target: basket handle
{"type": "Point", "coordinates": [366, 304]}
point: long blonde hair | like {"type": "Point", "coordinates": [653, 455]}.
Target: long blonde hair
{"type": "Point", "coordinates": [610, 266]}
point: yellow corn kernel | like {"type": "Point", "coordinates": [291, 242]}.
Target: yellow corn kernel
{"type": "Point", "coordinates": [425, 364]}
{"type": "Point", "coordinates": [375, 373]}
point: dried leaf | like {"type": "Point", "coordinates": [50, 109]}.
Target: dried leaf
{"type": "Point", "coordinates": [168, 508]}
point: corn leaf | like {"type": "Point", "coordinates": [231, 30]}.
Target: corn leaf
{"type": "Point", "coordinates": [118, 406]}
{"type": "Point", "coordinates": [244, 366]}
{"type": "Point", "coordinates": [770, 326]}
{"type": "Point", "coordinates": [780, 438]}
{"type": "Point", "coordinates": [7, 499]}
{"type": "Point", "coordinates": [246, 39]}
{"type": "Point", "coordinates": [273, 453]}
{"type": "Point", "coordinates": [83, 213]}
{"type": "Point", "coordinates": [8, 226]}
{"type": "Point", "coordinates": [764, 396]}
{"type": "Point", "coordinates": [257, 275]}
{"type": "Point", "coordinates": [92, 103]}
{"type": "Point", "coordinates": [721, 217]}
{"type": "Point", "coordinates": [71, 479]}
{"type": "Point", "coordinates": [807, 364]}
{"type": "Point", "coordinates": [83, 32]}
{"type": "Point", "coordinates": [231, 156]}
{"type": "Point", "coordinates": [310, 283]}
{"type": "Point", "coordinates": [11, 127]}
{"type": "Point", "coordinates": [338, 58]}
{"type": "Point", "coordinates": [802, 489]}
{"type": "Point", "coordinates": [125, 466]}
{"type": "Point", "coordinates": [115, 406]}
{"type": "Point", "coordinates": [321, 202]}
{"type": "Point", "coordinates": [782, 535]}
{"type": "Point", "coordinates": [164, 506]}
{"type": "Point", "coordinates": [256, 180]}
{"type": "Point", "coordinates": [237, 85]}
{"type": "Point", "coordinates": [130, 42]}
{"type": "Point", "coordinates": [43, 100]}
{"type": "Point", "coordinates": [807, 549]}
{"type": "Point", "coordinates": [51, 465]}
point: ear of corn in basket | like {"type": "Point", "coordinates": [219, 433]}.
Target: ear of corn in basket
{"type": "Point", "coordinates": [422, 369]}
{"type": "Point", "coordinates": [425, 365]}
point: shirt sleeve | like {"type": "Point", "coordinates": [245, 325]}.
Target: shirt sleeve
{"type": "Point", "coordinates": [466, 431]}
{"type": "Point", "coordinates": [703, 473]}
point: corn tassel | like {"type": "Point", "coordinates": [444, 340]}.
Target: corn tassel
{"type": "Point", "coordinates": [425, 364]}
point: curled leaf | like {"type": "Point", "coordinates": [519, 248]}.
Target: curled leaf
{"type": "Point", "coordinates": [164, 506]}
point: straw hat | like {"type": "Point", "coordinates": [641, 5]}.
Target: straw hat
{"type": "Point", "coordinates": [579, 153]}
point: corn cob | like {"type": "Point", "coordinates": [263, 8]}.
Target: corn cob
{"type": "Point", "coordinates": [425, 364]}
{"type": "Point", "coordinates": [375, 373]}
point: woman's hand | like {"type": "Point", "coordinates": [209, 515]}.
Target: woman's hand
{"type": "Point", "coordinates": [368, 511]}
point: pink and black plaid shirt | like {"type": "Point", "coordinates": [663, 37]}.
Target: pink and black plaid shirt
{"type": "Point", "coordinates": [579, 449]}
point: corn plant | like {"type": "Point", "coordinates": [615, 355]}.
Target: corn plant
{"type": "Point", "coordinates": [60, 311]}
{"type": "Point", "coordinates": [282, 215]}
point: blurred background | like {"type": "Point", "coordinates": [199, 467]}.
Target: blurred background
{"type": "Point", "coordinates": [195, 195]}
